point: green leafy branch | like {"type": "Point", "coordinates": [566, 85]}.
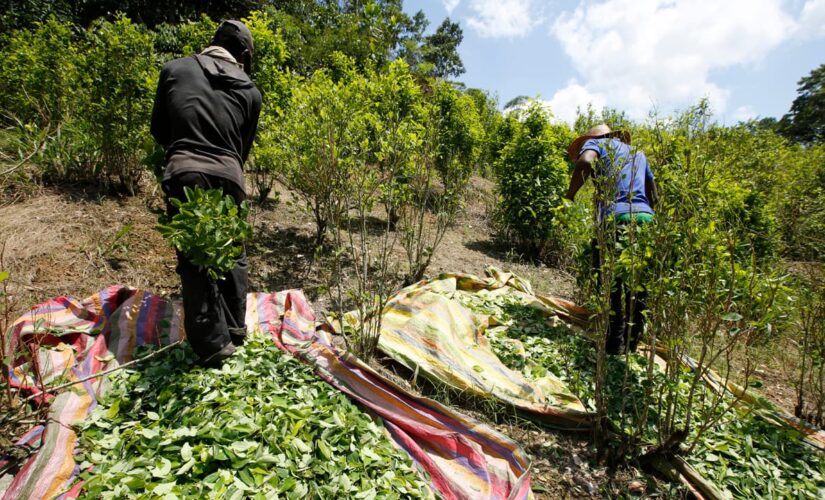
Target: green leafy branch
{"type": "Point", "coordinates": [208, 229]}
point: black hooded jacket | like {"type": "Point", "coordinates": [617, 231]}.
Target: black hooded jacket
{"type": "Point", "coordinates": [206, 116]}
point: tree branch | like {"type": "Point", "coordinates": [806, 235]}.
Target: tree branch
{"type": "Point", "coordinates": [149, 356]}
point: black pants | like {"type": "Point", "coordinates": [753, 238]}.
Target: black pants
{"type": "Point", "coordinates": [627, 307]}
{"type": "Point", "coordinates": [214, 312]}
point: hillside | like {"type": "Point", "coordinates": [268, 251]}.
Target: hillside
{"type": "Point", "coordinates": [68, 242]}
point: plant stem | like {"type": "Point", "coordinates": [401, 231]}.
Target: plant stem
{"type": "Point", "coordinates": [149, 356]}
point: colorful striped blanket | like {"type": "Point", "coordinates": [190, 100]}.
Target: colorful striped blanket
{"type": "Point", "coordinates": [431, 333]}
{"type": "Point", "coordinates": [75, 339]}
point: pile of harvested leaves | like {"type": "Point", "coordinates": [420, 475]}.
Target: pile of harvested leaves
{"type": "Point", "coordinates": [263, 426]}
{"type": "Point", "coordinates": [742, 453]}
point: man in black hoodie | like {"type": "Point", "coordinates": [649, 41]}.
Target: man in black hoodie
{"type": "Point", "coordinates": [206, 116]}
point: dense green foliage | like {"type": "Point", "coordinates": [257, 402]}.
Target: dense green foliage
{"type": "Point", "coordinates": [810, 323]}
{"type": "Point", "coordinates": [39, 69]}
{"type": "Point", "coordinates": [345, 132]}
{"type": "Point", "coordinates": [209, 229]}
{"type": "Point", "coordinates": [531, 173]}
{"type": "Point", "coordinates": [261, 427]}
{"type": "Point", "coordinates": [371, 33]}
{"type": "Point", "coordinates": [440, 50]}
{"type": "Point", "coordinates": [79, 95]}
{"type": "Point", "coordinates": [490, 121]}
{"type": "Point", "coordinates": [322, 135]}
{"type": "Point", "coordinates": [274, 84]}
{"type": "Point", "coordinates": [184, 39]}
{"type": "Point", "coordinates": [81, 101]}
{"type": "Point", "coordinates": [746, 178]}
{"type": "Point", "coordinates": [805, 122]}
{"type": "Point", "coordinates": [118, 68]}
{"type": "Point", "coordinates": [458, 138]}
{"type": "Point", "coordinates": [25, 13]}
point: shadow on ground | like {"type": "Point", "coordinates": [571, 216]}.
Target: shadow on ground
{"type": "Point", "coordinates": [283, 258]}
{"type": "Point", "coordinates": [375, 226]}
{"type": "Point", "coordinates": [498, 250]}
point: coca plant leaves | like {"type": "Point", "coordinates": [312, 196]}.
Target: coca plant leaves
{"type": "Point", "coordinates": [264, 426]}
{"type": "Point", "coordinates": [742, 453]}
{"type": "Point", "coordinates": [208, 229]}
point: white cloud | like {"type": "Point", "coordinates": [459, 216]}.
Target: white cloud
{"type": "Point", "coordinates": [450, 5]}
{"type": "Point", "coordinates": [503, 18]}
{"type": "Point", "coordinates": [744, 113]}
{"type": "Point", "coordinates": [566, 102]}
{"type": "Point", "coordinates": [812, 19]}
{"type": "Point", "coordinates": [645, 53]}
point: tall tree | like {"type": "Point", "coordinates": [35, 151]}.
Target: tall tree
{"type": "Point", "coordinates": [24, 13]}
{"type": "Point", "coordinates": [412, 39]}
{"type": "Point", "coordinates": [440, 50]}
{"type": "Point", "coordinates": [370, 32]}
{"type": "Point", "coordinates": [805, 122]}
{"type": "Point", "coordinates": [516, 102]}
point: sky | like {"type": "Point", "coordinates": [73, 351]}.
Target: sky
{"type": "Point", "coordinates": [745, 56]}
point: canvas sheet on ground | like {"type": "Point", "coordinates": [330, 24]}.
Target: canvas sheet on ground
{"type": "Point", "coordinates": [80, 338]}
{"type": "Point", "coordinates": [427, 328]}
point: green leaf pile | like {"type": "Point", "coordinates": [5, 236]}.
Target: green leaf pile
{"type": "Point", "coordinates": [264, 426]}
{"type": "Point", "coordinates": [743, 454]}
{"type": "Point", "coordinates": [208, 229]}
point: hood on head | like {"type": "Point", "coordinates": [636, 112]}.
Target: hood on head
{"type": "Point", "coordinates": [222, 72]}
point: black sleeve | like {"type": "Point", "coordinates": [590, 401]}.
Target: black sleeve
{"type": "Point", "coordinates": [252, 127]}
{"type": "Point", "coordinates": [160, 119]}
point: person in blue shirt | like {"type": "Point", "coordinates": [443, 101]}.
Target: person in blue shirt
{"type": "Point", "coordinates": [627, 195]}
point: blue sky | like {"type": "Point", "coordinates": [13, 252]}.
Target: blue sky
{"type": "Point", "coordinates": [746, 56]}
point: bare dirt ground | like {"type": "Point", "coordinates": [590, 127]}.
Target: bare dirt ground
{"type": "Point", "coordinates": [72, 242]}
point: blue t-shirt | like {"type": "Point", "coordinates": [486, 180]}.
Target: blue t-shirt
{"type": "Point", "coordinates": [630, 170]}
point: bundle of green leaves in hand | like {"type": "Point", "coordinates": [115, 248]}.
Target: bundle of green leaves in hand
{"type": "Point", "coordinates": [208, 229]}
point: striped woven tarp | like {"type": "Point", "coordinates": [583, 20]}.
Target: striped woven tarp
{"type": "Point", "coordinates": [428, 331]}
{"type": "Point", "coordinates": [426, 328]}
{"type": "Point", "coordinates": [465, 459]}
{"type": "Point", "coordinates": [74, 339]}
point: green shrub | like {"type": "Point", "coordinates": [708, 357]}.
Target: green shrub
{"type": "Point", "coordinates": [799, 204]}
{"type": "Point", "coordinates": [745, 211]}
{"type": "Point", "coordinates": [88, 97]}
{"type": "Point", "coordinates": [274, 84]}
{"type": "Point", "coordinates": [447, 141]}
{"type": "Point", "coordinates": [39, 70]}
{"type": "Point", "coordinates": [323, 136]}
{"type": "Point", "coordinates": [120, 73]}
{"type": "Point", "coordinates": [458, 139]}
{"type": "Point", "coordinates": [68, 154]}
{"type": "Point", "coordinates": [809, 337]}
{"type": "Point", "coordinates": [531, 178]}
{"type": "Point", "coordinates": [184, 39]}
{"type": "Point", "coordinates": [490, 120]}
